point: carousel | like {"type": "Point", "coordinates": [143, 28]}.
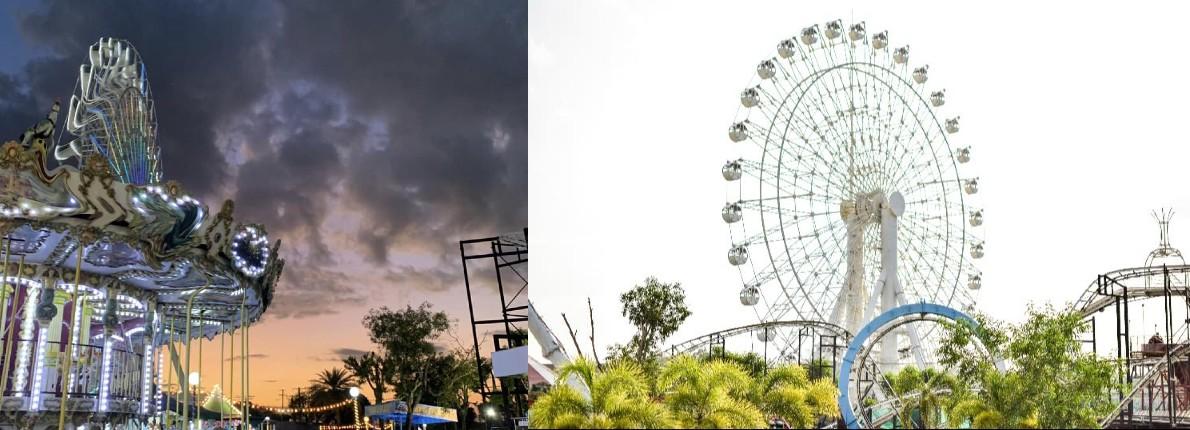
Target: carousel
{"type": "Point", "coordinates": [109, 272]}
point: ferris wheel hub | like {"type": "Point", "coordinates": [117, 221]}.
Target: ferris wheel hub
{"type": "Point", "coordinates": [866, 208]}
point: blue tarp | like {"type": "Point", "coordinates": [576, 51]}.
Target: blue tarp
{"type": "Point", "coordinates": [417, 419]}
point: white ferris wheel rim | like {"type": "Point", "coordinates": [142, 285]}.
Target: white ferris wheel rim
{"type": "Point", "coordinates": [791, 289]}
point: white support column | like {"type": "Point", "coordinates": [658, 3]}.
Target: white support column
{"type": "Point", "coordinates": [892, 208]}
{"type": "Point", "coordinates": [856, 293]}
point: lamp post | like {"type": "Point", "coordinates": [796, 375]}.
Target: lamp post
{"type": "Point", "coordinates": [354, 391]}
{"type": "Point", "coordinates": [266, 423]}
{"type": "Point", "coordinates": [193, 380]}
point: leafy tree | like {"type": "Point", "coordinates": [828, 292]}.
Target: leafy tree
{"type": "Point", "coordinates": [454, 377]}
{"type": "Point", "coordinates": [787, 392]}
{"type": "Point", "coordinates": [1051, 383]}
{"type": "Point", "coordinates": [819, 368]}
{"type": "Point", "coordinates": [370, 369]}
{"type": "Point", "coordinates": [406, 337]}
{"type": "Point", "coordinates": [708, 395]}
{"type": "Point", "coordinates": [657, 309]}
{"type": "Point", "coordinates": [926, 393]}
{"type": "Point", "coordinates": [618, 399]}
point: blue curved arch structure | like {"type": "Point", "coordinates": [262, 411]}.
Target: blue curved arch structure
{"type": "Point", "coordinates": [857, 344]}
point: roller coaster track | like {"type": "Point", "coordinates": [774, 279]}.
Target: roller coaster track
{"type": "Point", "coordinates": [1150, 376]}
{"type": "Point", "coordinates": [707, 339]}
{"type": "Point", "coordinates": [1093, 301]}
{"type": "Point", "coordinates": [1156, 368]}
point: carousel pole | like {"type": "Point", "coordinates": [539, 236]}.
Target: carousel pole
{"type": "Point", "coordinates": [247, 369]}
{"type": "Point", "coordinates": [166, 420]}
{"type": "Point", "coordinates": [186, 383]}
{"type": "Point", "coordinates": [74, 295]}
{"type": "Point", "coordinates": [244, 363]}
{"type": "Point", "coordinates": [4, 299]}
{"type": "Point", "coordinates": [222, 383]}
{"type": "Point", "coordinates": [198, 389]}
{"type": "Point", "coordinates": [231, 370]}
{"type": "Point", "coordinates": [8, 341]}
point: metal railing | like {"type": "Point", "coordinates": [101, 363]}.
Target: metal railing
{"type": "Point", "coordinates": [125, 369]}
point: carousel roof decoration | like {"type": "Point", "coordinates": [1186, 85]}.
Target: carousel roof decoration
{"type": "Point", "coordinates": [144, 239]}
{"type": "Point", "coordinates": [111, 114]}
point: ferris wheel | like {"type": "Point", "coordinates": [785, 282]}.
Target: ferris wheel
{"type": "Point", "coordinates": [847, 197]}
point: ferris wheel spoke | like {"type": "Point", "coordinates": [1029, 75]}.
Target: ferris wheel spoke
{"type": "Point", "coordinates": [917, 257]}
{"type": "Point", "coordinates": [831, 122]}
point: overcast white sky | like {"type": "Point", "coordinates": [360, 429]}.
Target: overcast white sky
{"type": "Point", "coordinates": [1077, 116]}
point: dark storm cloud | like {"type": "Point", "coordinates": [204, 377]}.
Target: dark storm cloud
{"type": "Point", "coordinates": [445, 76]}
{"type": "Point", "coordinates": [306, 291]}
{"type": "Point", "coordinates": [410, 115]}
{"type": "Point", "coordinates": [203, 58]}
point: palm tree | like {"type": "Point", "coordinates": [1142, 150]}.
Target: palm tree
{"type": "Point", "coordinates": [708, 395]}
{"type": "Point", "coordinates": [370, 369]}
{"type": "Point", "coordinates": [997, 404]}
{"type": "Point", "coordinates": [787, 392]}
{"type": "Point", "coordinates": [618, 399]}
{"type": "Point", "coordinates": [928, 392]}
{"type": "Point", "coordinates": [329, 387]}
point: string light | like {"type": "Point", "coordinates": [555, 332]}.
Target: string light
{"type": "Point", "coordinates": [365, 425]}
{"type": "Point", "coordinates": [146, 379]}
{"type": "Point", "coordinates": [38, 370]}
{"type": "Point", "coordinates": [255, 242]}
{"type": "Point", "coordinates": [160, 372]}
{"type": "Point", "coordinates": [105, 380]}
{"type": "Point", "coordinates": [26, 336]}
{"type": "Point", "coordinates": [309, 410]}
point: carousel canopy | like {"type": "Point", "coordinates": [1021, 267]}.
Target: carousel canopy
{"type": "Point", "coordinates": [146, 241]}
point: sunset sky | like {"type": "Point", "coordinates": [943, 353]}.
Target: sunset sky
{"type": "Point", "coordinates": [370, 137]}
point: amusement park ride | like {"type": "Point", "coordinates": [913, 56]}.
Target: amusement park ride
{"type": "Point", "coordinates": [853, 232]}
{"type": "Point", "coordinates": [847, 206]}
{"type": "Point", "coordinates": [108, 272]}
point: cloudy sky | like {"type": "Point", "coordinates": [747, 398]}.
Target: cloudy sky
{"type": "Point", "coordinates": [1076, 117]}
{"type": "Point", "coordinates": [369, 136]}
